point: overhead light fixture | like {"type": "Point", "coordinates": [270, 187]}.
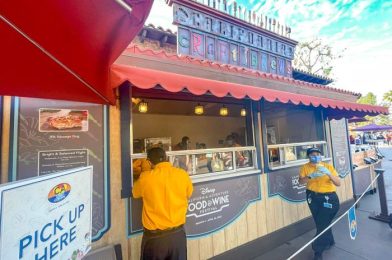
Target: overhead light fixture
{"type": "Point", "coordinates": [243, 112]}
{"type": "Point", "coordinates": [223, 111]}
{"type": "Point", "coordinates": [143, 107]}
{"type": "Point", "coordinates": [199, 109]}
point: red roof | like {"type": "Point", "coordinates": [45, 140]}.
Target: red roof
{"type": "Point", "coordinates": [135, 49]}
{"type": "Point", "coordinates": [63, 49]}
{"type": "Point", "coordinates": [147, 78]}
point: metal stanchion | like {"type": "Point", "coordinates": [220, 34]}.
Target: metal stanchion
{"type": "Point", "coordinates": [383, 216]}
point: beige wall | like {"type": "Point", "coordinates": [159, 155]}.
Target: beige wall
{"type": "Point", "coordinates": [201, 129]}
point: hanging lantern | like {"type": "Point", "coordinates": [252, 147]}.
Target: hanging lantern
{"type": "Point", "coordinates": [199, 109]}
{"type": "Point", "coordinates": [143, 107]}
{"type": "Point", "coordinates": [243, 112]}
{"type": "Point", "coordinates": [223, 111]}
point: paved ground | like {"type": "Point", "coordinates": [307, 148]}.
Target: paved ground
{"type": "Point", "coordinates": [374, 239]}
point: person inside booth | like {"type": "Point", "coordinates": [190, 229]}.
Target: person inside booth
{"type": "Point", "coordinates": [233, 140]}
{"type": "Point", "coordinates": [183, 162]}
{"type": "Point", "coordinates": [183, 145]}
{"type": "Point", "coordinates": [321, 180]}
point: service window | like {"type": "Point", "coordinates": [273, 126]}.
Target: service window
{"type": "Point", "coordinates": [290, 131]}
{"type": "Point", "coordinates": [208, 140]}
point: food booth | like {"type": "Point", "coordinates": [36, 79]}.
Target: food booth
{"type": "Point", "coordinates": [225, 82]}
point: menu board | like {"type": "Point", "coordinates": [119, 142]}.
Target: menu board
{"type": "Point", "coordinates": [340, 147]}
{"type": "Point", "coordinates": [50, 136]}
{"type": "Point", "coordinates": [213, 205]}
{"type": "Point", "coordinates": [285, 182]}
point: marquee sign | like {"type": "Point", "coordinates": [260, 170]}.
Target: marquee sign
{"type": "Point", "coordinates": [207, 36]}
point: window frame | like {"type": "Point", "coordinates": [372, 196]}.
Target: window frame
{"type": "Point", "coordinates": [327, 156]}
{"type": "Point", "coordinates": [251, 128]}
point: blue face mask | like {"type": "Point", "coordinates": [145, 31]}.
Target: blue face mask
{"type": "Point", "coordinates": [315, 158]}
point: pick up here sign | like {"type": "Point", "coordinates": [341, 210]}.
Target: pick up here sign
{"type": "Point", "coordinates": [47, 217]}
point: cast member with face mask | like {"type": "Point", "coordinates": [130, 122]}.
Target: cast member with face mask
{"type": "Point", "coordinates": [321, 180]}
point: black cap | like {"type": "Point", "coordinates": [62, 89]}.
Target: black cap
{"type": "Point", "coordinates": [311, 150]}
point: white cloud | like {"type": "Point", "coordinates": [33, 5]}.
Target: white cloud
{"type": "Point", "coordinates": [161, 15]}
{"type": "Point", "coordinates": [359, 8]}
{"type": "Point", "coordinates": [365, 68]}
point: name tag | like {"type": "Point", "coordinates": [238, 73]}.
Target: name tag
{"type": "Point", "coordinates": [327, 205]}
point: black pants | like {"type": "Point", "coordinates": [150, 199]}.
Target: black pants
{"type": "Point", "coordinates": [170, 245]}
{"type": "Point", "coordinates": [324, 207]}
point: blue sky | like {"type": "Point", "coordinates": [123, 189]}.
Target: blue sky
{"type": "Point", "coordinates": [362, 28]}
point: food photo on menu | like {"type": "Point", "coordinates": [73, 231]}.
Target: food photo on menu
{"type": "Point", "coordinates": [60, 120]}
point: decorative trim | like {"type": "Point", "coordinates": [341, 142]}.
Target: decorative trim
{"type": "Point", "coordinates": [136, 49]}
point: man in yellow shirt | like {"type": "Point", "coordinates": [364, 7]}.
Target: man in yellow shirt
{"type": "Point", "coordinates": [165, 191]}
{"type": "Point", "coordinates": [321, 180]}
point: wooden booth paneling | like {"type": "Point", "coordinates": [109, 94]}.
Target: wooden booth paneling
{"type": "Point", "coordinates": [259, 219]}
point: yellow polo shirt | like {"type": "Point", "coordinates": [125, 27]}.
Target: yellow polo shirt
{"type": "Point", "coordinates": [321, 184]}
{"type": "Point", "coordinates": [165, 191]}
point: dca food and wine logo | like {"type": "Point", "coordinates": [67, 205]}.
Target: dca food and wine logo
{"type": "Point", "coordinates": [59, 192]}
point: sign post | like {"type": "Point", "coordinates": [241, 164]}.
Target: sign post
{"type": "Point", "coordinates": [47, 217]}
